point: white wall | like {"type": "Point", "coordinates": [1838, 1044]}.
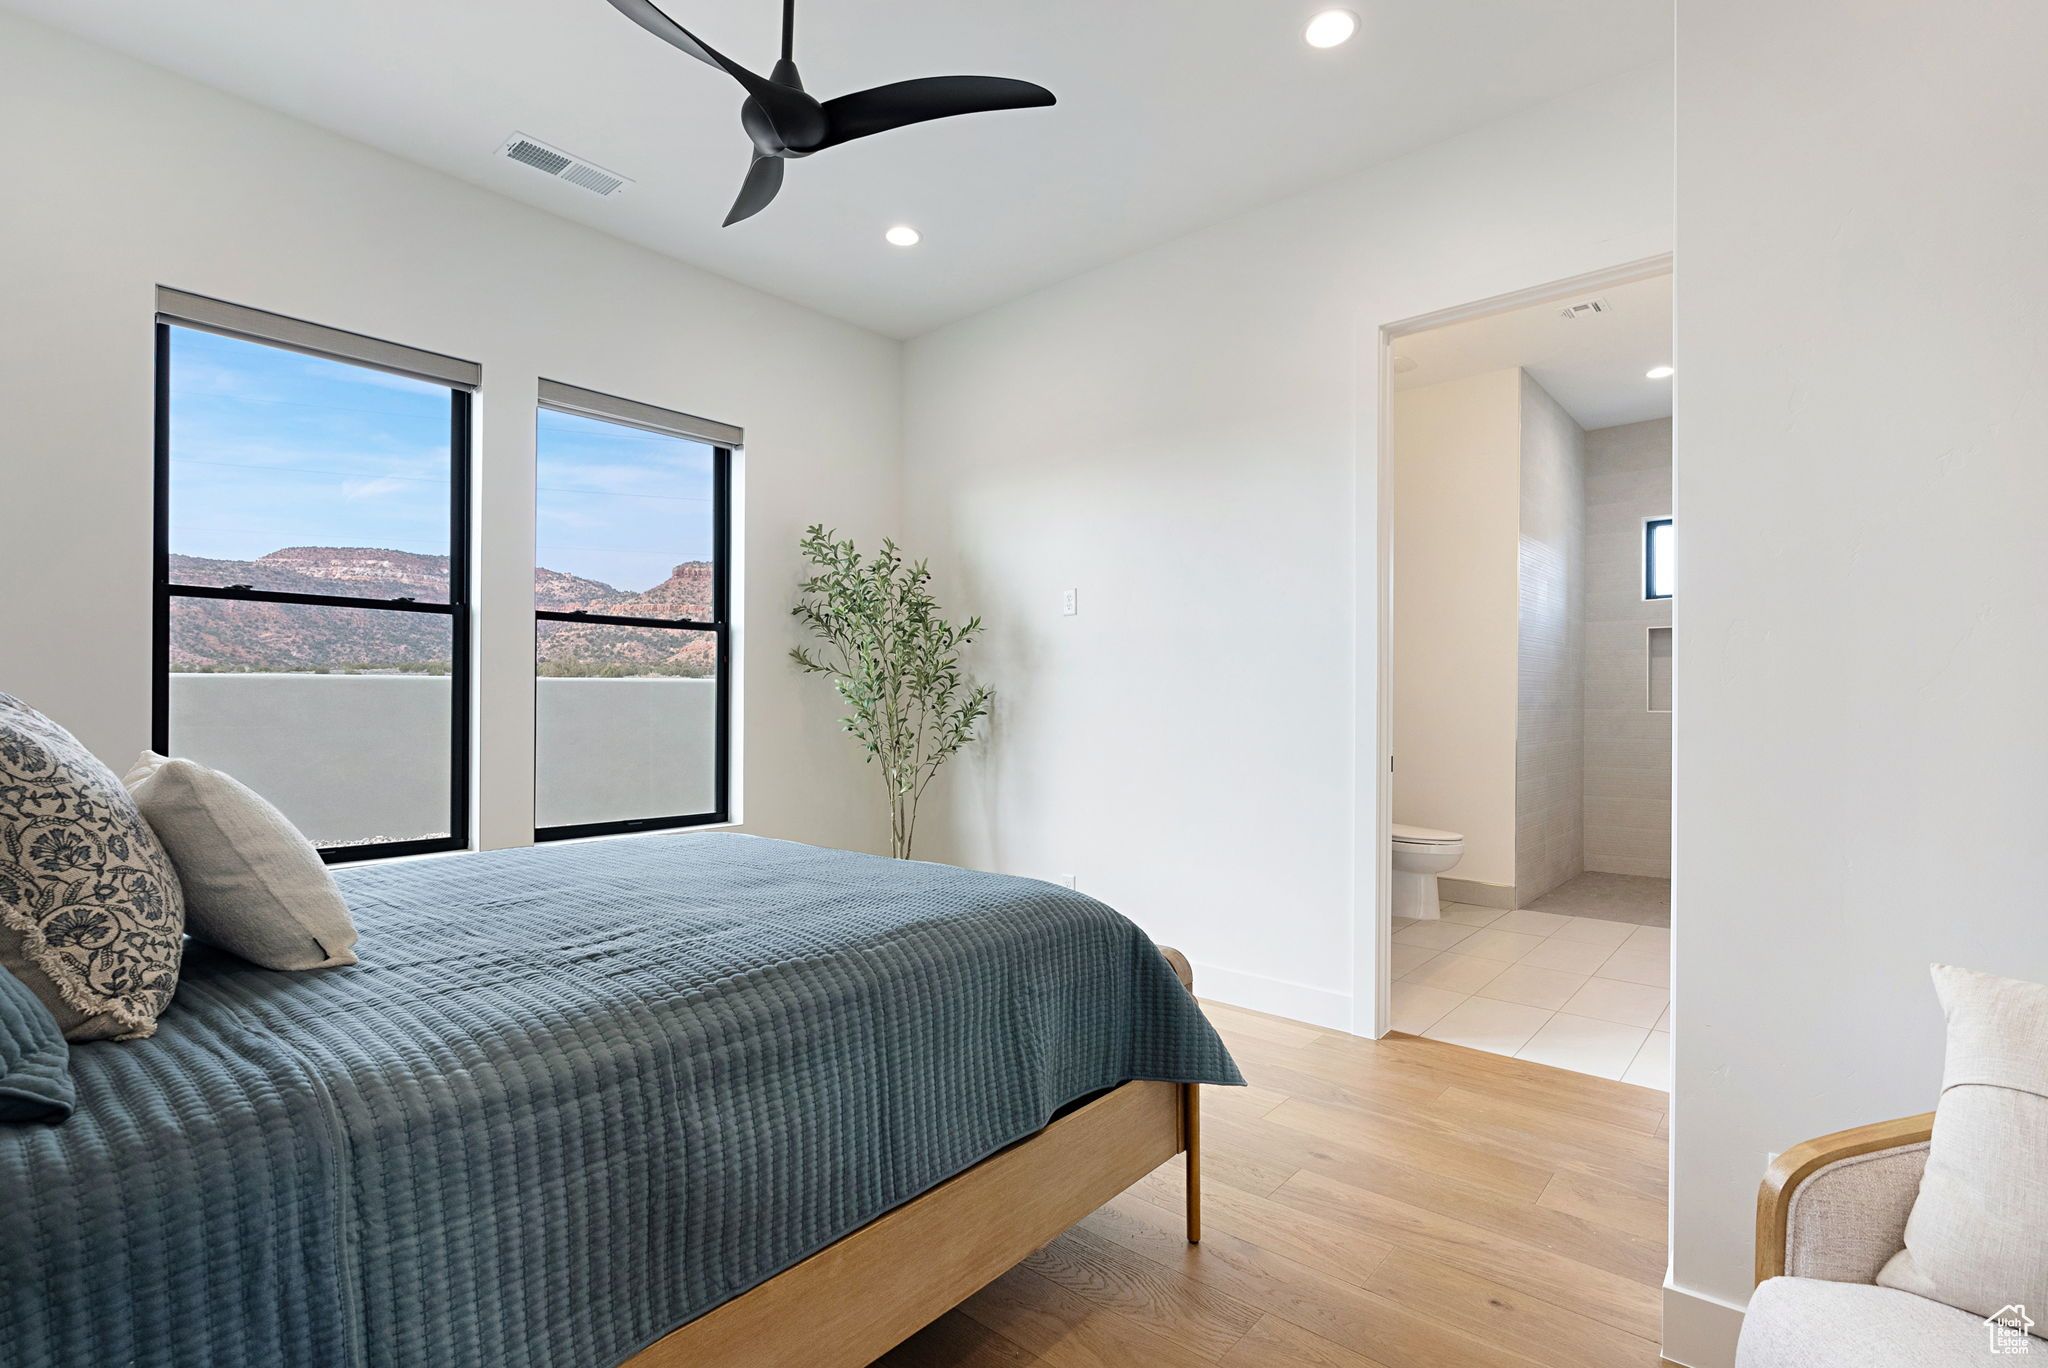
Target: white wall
{"type": "Point", "coordinates": [1550, 722]}
{"type": "Point", "coordinates": [1186, 436]}
{"type": "Point", "coordinates": [1861, 738]}
{"type": "Point", "coordinates": [143, 178]}
{"type": "Point", "coordinates": [1457, 514]}
{"type": "Point", "coordinates": [1628, 747]}
{"type": "Point", "coordinates": [1488, 518]}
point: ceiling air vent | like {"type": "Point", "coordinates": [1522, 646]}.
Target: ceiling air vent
{"type": "Point", "coordinates": [561, 165]}
{"type": "Point", "coordinates": [1586, 308]}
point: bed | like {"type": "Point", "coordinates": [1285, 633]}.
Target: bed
{"type": "Point", "coordinates": [704, 1099]}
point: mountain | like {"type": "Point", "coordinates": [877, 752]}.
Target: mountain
{"type": "Point", "coordinates": [360, 570]}
{"type": "Point", "coordinates": [324, 570]}
{"type": "Point", "coordinates": [558, 592]}
{"type": "Point", "coordinates": [595, 648]}
{"type": "Point", "coordinates": [227, 634]}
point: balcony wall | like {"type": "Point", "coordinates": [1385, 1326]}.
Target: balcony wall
{"type": "Point", "coordinates": [354, 758]}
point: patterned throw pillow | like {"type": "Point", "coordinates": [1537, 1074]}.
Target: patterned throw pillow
{"type": "Point", "coordinates": [91, 915]}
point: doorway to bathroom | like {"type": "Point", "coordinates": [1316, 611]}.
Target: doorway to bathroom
{"type": "Point", "coordinates": [1527, 667]}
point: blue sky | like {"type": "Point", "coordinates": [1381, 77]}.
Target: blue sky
{"type": "Point", "coordinates": [619, 504]}
{"type": "Point", "coordinates": [270, 448]}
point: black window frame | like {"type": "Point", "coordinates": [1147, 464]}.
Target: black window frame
{"type": "Point", "coordinates": [720, 625]}
{"type": "Point", "coordinates": [1650, 526]}
{"type": "Point", "coordinates": [461, 457]}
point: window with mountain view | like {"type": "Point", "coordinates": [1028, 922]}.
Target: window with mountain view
{"type": "Point", "coordinates": [630, 630]}
{"type": "Point", "coordinates": [311, 600]}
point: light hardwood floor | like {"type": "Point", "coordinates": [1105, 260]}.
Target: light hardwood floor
{"type": "Point", "coordinates": [1401, 1203]}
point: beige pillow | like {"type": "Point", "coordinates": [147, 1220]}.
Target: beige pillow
{"type": "Point", "coordinates": [254, 886]}
{"type": "Point", "coordinates": [91, 918]}
{"type": "Point", "coordinates": [1978, 1235]}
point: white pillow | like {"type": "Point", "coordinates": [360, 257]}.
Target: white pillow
{"type": "Point", "coordinates": [253, 885]}
{"type": "Point", "coordinates": [1978, 1235]}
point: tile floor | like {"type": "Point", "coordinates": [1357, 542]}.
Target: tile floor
{"type": "Point", "coordinates": [1611, 897]}
{"type": "Point", "coordinates": [1579, 993]}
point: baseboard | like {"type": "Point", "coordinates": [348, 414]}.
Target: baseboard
{"type": "Point", "coordinates": [1276, 997]}
{"type": "Point", "coordinates": [1476, 893]}
{"type": "Point", "coordinates": [1699, 1330]}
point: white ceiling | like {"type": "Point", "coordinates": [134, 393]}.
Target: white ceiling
{"type": "Point", "coordinates": [1172, 114]}
{"type": "Point", "coordinates": [1594, 367]}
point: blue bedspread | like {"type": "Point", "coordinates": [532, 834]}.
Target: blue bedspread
{"type": "Point", "coordinates": [572, 1097]}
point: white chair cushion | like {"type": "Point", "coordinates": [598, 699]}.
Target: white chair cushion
{"type": "Point", "coordinates": [1849, 1218]}
{"type": "Point", "coordinates": [254, 886]}
{"type": "Point", "coordinates": [1978, 1235]}
{"type": "Point", "coordinates": [1808, 1323]}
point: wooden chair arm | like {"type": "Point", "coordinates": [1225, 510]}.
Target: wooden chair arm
{"type": "Point", "coordinates": [1182, 970]}
{"type": "Point", "coordinates": [1802, 1161]}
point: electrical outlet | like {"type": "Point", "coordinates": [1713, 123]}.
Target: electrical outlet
{"type": "Point", "coordinates": [1070, 602]}
{"type": "Point", "coordinates": [1072, 881]}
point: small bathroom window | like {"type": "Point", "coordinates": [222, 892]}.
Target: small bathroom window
{"type": "Point", "coordinates": [1657, 558]}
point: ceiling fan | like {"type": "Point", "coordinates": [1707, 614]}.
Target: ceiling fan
{"type": "Point", "coordinates": [785, 122]}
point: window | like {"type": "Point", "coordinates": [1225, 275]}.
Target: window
{"type": "Point", "coordinates": [1657, 551]}
{"type": "Point", "coordinates": [312, 620]}
{"type": "Point", "coordinates": [631, 638]}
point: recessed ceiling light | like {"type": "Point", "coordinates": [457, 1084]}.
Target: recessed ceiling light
{"type": "Point", "coordinates": [1331, 28]}
{"type": "Point", "coordinates": [903, 235]}
{"type": "Point", "coordinates": [1659, 373]}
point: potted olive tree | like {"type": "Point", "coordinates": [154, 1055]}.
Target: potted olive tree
{"type": "Point", "coordinates": [895, 663]}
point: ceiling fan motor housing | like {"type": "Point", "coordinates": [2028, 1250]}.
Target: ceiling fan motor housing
{"type": "Point", "coordinates": [798, 135]}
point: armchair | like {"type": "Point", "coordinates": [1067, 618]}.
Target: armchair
{"type": "Point", "coordinates": [1829, 1215]}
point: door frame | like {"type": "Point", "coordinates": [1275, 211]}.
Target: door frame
{"type": "Point", "coordinates": [1376, 960]}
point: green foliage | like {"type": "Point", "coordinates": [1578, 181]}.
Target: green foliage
{"type": "Point", "coordinates": [346, 667]}
{"type": "Point", "coordinates": [895, 663]}
{"type": "Point", "coordinates": [571, 667]}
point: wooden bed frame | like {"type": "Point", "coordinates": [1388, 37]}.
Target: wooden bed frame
{"type": "Point", "coordinates": [858, 1298]}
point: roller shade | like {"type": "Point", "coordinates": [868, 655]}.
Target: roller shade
{"type": "Point", "coordinates": [215, 315]}
{"type": "Point", "coordinates": [572, 399]}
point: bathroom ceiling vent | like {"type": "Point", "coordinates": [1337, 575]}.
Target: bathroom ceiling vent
{"type": "Point", "coordinates": [553, 161]}
{"type": "Point", "coordinates": [1586, 308]}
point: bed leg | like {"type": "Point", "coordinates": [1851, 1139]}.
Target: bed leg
{"type": "Point", "coordinates": [1191, 1094]}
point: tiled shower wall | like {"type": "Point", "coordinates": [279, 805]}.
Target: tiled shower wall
{"type": "Point", "coordinates": [1550, 712]}
{"type": "Point", "coordinates": [1627, 746]}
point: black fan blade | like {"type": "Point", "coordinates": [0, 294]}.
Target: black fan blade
{"type": "Point", "coordinates": [764, 179]}
{"type": "Point", "coordinates": [866, 112]}
{"type": "Point", "coordinates": [787, 108]}
{"type": "Point", "coordinates": [669, 31]}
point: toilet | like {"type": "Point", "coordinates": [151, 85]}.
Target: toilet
{"type": "Point", "coordinates": [1420, 854]}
